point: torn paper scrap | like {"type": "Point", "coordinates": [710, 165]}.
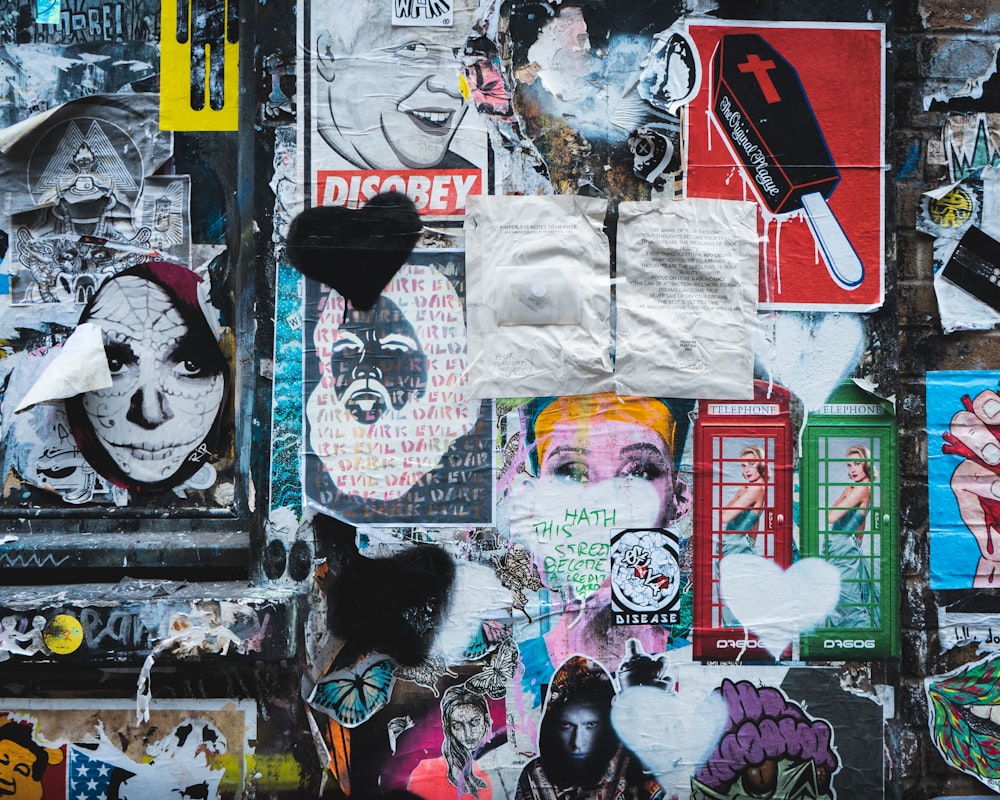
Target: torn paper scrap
{"type": "Point", "coordinates": [81, 366]}
{"type": "Point", "coordinates": [687, 306]}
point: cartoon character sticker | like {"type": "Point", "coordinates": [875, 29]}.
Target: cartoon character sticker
{"type": "Point", "coordinates": [645, 577]}
{"type": "Point", "coordinates": [770, 748]}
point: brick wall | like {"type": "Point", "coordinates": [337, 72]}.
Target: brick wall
{"type": "Point", "coordinates": [934, 42]}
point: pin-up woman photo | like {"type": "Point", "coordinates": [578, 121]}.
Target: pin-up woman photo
{"type": "Point", "coordinates": [742, 512]}
{"type": "Point", "coordinates": [846, 521]}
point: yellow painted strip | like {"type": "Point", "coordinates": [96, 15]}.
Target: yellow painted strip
{"type": "Point", "coordinates": [277, 773]}
{"type": "Point", "coordinates": [176, 112]}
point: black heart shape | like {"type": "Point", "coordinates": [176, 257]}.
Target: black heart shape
{"type": "Point", "coordinates": [355, 252]}
{"type": "Point", "coordinates": [391, 605]}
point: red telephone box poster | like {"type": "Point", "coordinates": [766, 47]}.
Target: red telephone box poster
{"type": "Point", "coordinates": [792, 116]}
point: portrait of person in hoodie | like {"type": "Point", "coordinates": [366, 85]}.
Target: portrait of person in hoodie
{"type": "Point", "coordinates": [579, 753]}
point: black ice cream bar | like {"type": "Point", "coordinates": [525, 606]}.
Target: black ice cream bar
{"type": "Point", "coordinates": [761, 108]}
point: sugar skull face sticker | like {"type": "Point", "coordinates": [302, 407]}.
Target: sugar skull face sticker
{"type": "Point", "coordinates": [153, 427]}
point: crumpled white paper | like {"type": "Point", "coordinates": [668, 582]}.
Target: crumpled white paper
{"type": "Point", "coordinates": [562, 239]}
{"type": "Point", "coordinates": [687, 305]}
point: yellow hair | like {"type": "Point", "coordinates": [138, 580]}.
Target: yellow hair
{"type": "Point", "coordinates": [644, 411]}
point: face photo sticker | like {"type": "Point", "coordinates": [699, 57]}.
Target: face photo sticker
{"type": "Point", "coordinates": [577, 744]}
{"type": "Point", "coordinates": [156, 425]}
{"type": "Point", "coordinates": [407, 79]}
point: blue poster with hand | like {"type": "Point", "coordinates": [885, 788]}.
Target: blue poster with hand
{"type": "Point", "coordinates": [963, 477]}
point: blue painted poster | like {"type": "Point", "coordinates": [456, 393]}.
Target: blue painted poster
{"type": "Point", "coordinates": [963, 477]}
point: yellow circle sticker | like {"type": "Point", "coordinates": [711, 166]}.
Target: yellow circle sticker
{"type": "Point", "coordinates": [953, 210]}
{"type": "Point", "coordinates": [63, 634]}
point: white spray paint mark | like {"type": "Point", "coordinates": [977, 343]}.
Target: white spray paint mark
{"type": "Point", "coordinates": [809, 353]}
{"type": "Point", "coordinates": [797, 599]}
{"type": "Point", "coordinates": [671, 733]}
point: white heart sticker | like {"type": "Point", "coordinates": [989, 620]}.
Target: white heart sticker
{"type": "Point", "coordinates": [672, 734]}
{"type": "Point", "coordinates": [811, 354]}
{"type": "Point", "coordinates": [778, 605]}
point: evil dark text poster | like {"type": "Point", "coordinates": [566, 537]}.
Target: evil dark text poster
{"type": "Point", "coordinates": [391, 436]}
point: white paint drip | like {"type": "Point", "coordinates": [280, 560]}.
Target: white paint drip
{"type": "Point", "coordinates": [810, 354]}
{"type": "Point", "coordinates": [777, 254]}
{"type": "Point", "coordinates": [766, 259]}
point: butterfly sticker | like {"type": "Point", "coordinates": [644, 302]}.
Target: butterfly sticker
{"type": "Point", "coordinates": [492, 681]}
{"type": "Point", "coordinates": [491, 633]}
{"type": "Point", "coordinates": [354, 694]}
{"type": "Point", "coordinates": [425, 674]}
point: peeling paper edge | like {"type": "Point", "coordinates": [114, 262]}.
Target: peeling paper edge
{"type": "Point", "coordinates": [12, 135]}
{"type": "Point", "coordinates": [869, 386]}
{"type": "Point", "coordinates": [973, 88]}
{"type": "Point", "coordinates": [941, 191]}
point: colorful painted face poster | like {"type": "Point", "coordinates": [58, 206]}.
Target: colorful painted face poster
{"type": "Point", "coordinates": [962, 719]}
{"type": "Point", "coordinates": [577, 470]}
{"type": "Point", "coordinates": [94, 749]}
{"type": "Point", "coordinates": [391, 435]}
{"type": "Point", "coordinates": [792, 116]}
{"type": "Point", "coordinates": [962, 479]}
{"type": "Point", "coordinates": [387, 107]}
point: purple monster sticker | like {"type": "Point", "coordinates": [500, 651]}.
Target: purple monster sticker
{"type": "Point", "coordinates": [770, 748]}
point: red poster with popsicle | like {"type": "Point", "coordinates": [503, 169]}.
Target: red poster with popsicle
{"type": "Point", "coordinates": [792, 117]}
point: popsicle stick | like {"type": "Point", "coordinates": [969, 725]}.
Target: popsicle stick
{"type": "Point", "coordinates": [841, 260]}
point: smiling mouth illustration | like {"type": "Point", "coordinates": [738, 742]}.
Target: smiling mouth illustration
{"type": "Point", "coordinates": [435, 121]}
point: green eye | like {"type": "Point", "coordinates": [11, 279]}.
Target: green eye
{"type": "Point", "coordinates": [572, 471]}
